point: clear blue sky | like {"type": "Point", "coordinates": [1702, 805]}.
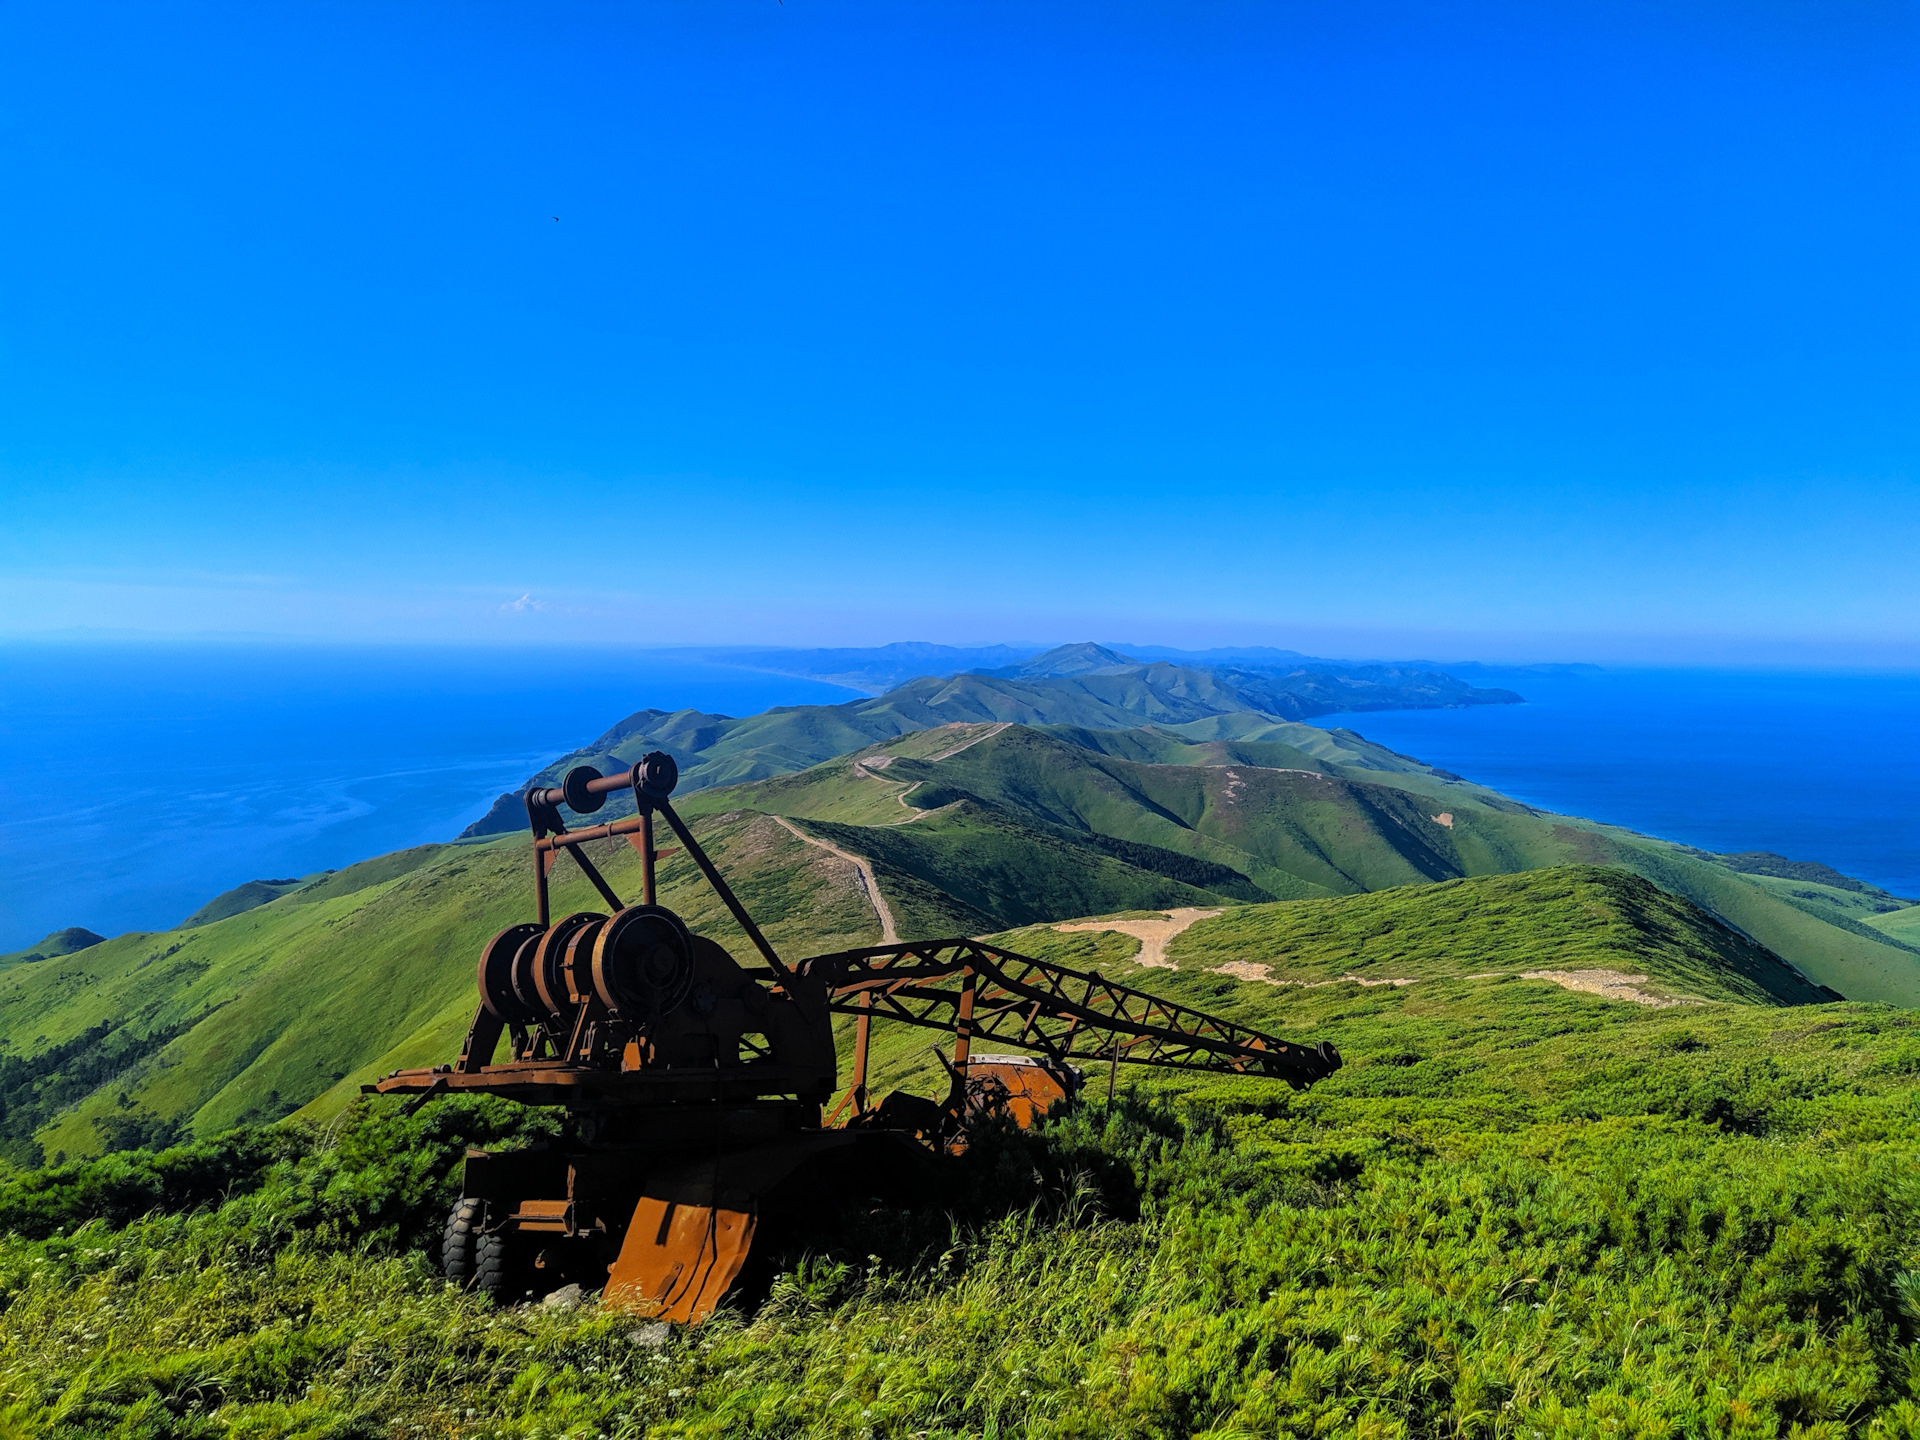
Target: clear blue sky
{"type": "Point", "coordinates": [1555, 330]}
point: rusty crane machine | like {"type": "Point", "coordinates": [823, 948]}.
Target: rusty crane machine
{"type": "Point", "coordinates": [698, 1089]}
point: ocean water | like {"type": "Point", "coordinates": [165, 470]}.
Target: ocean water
{"type": "Point", "coordinates": [1811, 766]}
{"type": "Point", "coordinates": [138, 782]}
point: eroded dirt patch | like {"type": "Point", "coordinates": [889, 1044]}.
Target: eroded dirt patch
{"type": "Point", "coordinates": [1612, 984]}
{"type": "Point", "coordinates": [1153, 935]}
{"type": "Point", "coordinates": [1607, 984]}
{"type": "Point", "coordinates": [1253, 970]}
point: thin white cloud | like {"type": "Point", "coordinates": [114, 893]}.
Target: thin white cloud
{"type": "Point", "coordinates": [521, 606]}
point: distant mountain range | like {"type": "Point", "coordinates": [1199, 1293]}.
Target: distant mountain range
{"type": "Point", "coordinates": [879, 668]}
{"type": "Point", "coordinates": [1085, 685]}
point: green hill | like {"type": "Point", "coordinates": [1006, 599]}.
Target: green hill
{"type": "Point", "coordinates": [1299, 811]}
{"type": "Point", "coordinates": [244, 897]}
{"type": "Point", "coordinates": [1577, 920]}
{"type": "Point", "coordinates": [294, 1003]}
{"type": "Point", "coordinates": [1900, 925]}
{"type": "Point", "coordinates": [1597, 1162]}
{"type": "Point", "coordinates": [1080, 685]}
{"type": "Point", "coordinates": [60, 942]}
{"type": "Point", "coordinates": [1518, 1209]}
{"type": "Point", "coordinates": [973, 828]}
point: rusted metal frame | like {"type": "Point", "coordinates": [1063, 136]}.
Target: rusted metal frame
{"type": "Point", "coordinates": [856, 1095]}
{"type": "Point", "coordinates": [1172, 1018]}
{"type": "Point", "coordinates": [1033, 1016]}
{"type": "Point", "coordinates": [562, 839]}
{"type": "Point", "coordinates": [648, 889]}
{"type": "Point", "coordinates": [550, 836]}
{"type": "Point", "coordinates": [862, 1035]}
{"type": "Point", "coordinates": [715, 879]}
{"type": "Point", "coordinates": [1171, 1034]}
{"type": "Point", "coordinates": [1197, 1036]}
{"type": "Point", "coordinates": [1167, 1046]}
{"type": "Point", "coordinates": [591, 1013]}
{"type": "Point", "coordinates": [963, 1023]}
{"type": "Point", "coordinates": [1158, 1055]}
{"type": "Point", "coordinates": [605, 785]}
{"type": "Point", "coordinates": [482, 1036]}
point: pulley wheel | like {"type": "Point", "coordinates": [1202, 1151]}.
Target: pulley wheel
{"type": "Point", "coordinates": [643, 963]}
{"type": "Point", "coordinates": [576, 967]}
{"type": "Point", "coordinates": [656, 774]}
{"type": "Point", "coordinates": [496, 976]}
{"type": "Point", "coordinates": [549, 962]}
{"type": "Point", "coordinates": [523, 981]}
{"type": "Point", "coordinates": [580, 800]}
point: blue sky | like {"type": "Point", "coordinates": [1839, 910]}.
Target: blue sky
{"type": "Point", "coordinates": [1542, 331]}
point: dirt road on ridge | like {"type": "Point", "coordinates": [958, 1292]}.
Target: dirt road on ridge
{"type": "Point", "coordinates": [869, 886]}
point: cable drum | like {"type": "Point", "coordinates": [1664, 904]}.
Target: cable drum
{"type": "Point", "coordinates": [543, 974]}
{"type": "Point", "coordinates": [523, 962]}
{"type": "Point", "coordinates": [643, 963]}
{"type": "Point", "coordinates": [577, 965]}
{"type": "Point", "coordinates": [497, 991]}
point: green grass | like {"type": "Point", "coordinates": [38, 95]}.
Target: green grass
{"type": "Point", "coordinates": [1239, 796]}
{"type": "Point", "coordinates": [1515, 1211]}
{"type": "Point", "coordinates": [1574, 918]}
{"type": "Point", "coordinates": [245, 897]}
{"type": "Point", "coordinates": [60, 942]}
{"type": "Point", "coordinates": [302, 998]}
{"type": "Point", "coordinates": [295, 1002]}
{"type": "Point", "coordinates": [1902, 925]}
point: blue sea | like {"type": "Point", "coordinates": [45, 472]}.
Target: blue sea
{"type": "Point", "coordinates": [1811, 766]}
{"type": "Point", "coordinates": [137, 782]}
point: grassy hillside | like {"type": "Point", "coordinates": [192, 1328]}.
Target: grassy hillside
{"type": "Point", "coordinates": [1901, 925]}
{"type": "Point", "coordinates": [1079, 685]}
{"type": "Point", "coordinates": [1300, 812]}
{"type": "Point", "coordinates": [1518, 1210]}
{"type": "Point", "coordinates": [966, 829]}
{"type": "Point", "coordinates": [60, 942]}
{"type": "Point", "coordinates": [251, 1017]}
{"type": "Point", "coordinates": [1575, 920]}
{"type": "Point", "coordinates": [245, 897]}
{"type": "Point", "coordinates": [1596, 1163]}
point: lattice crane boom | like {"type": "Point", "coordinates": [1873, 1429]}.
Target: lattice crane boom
{"type": "Point", "coordinates": [980, 992]}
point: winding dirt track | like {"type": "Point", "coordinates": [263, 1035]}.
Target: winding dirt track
{"type": "Point", "coordinates": [1153, 935]}
{"type": "Point", "coordinates": [863, 872]}
{"type": "Point", "coordinates": [969, 744]}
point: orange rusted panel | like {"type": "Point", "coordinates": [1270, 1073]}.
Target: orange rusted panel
{"type": "Point", "coordinates": [695, 1222]}
{"type": "Point", "coordinates": [679, 1259]}
{"type": "Point", "coordinates": [1031, 1088]}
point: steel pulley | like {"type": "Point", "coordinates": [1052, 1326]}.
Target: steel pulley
{"type": "Point", "coordinates": [498, 961]}
{"type": "Point", "coordinates": [643, 963]}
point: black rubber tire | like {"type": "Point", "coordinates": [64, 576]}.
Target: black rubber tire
{"type": "Point", "coordinates": [460, 1241]}
{"type": "Point", "coordinates": [496, 1271]}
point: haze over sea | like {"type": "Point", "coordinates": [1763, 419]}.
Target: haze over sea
{"type": "Point", "coordinates": [137, 782]}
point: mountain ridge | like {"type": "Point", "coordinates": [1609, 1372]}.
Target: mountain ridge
{"type": "Point", "coordinates": [969, 828]}
{"type": "Point", "coordinates": [714, 749]}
